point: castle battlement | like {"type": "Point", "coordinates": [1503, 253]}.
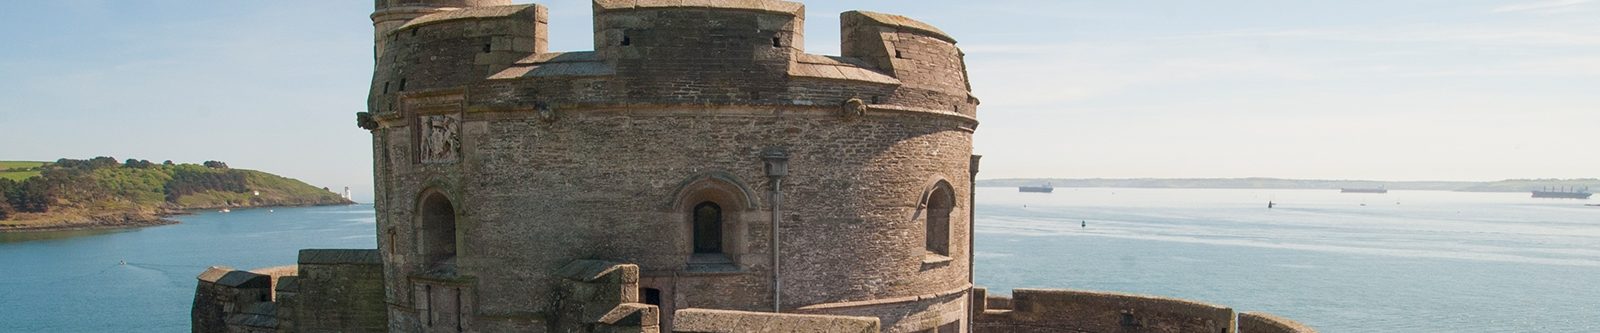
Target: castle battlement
{"type": "Point", "coordinates": [668, 52]}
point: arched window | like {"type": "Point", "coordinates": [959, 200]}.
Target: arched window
{"type": "Point", "coordinates": [438, 226]}
{"type": "Point", "coordinates": [940, 202]}
{"type": "Point", "coordinates": [707, 228]}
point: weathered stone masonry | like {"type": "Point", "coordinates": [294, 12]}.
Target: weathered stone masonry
{"type": "Point", "coordinates": [549, 158]}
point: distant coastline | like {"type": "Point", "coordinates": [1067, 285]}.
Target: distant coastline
{"type": "Point", "coordinates": [102, 193]}
{"type": "Point", "coordinates": [1509, 185]}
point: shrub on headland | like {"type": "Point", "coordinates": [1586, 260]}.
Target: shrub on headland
{"type": "Point", "coordinates": [103, 184]}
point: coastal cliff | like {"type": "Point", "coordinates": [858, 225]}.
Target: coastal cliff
{"type": "Point", "coordinates": [104, 193]}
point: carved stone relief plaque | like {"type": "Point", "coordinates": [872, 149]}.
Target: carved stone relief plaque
{"type": "Point", "coordinates": [440, 138]}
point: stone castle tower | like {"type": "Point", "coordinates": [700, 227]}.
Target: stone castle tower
{"type": "Point", "coordinates": [697, 141]}
{"type": "Point", "coordinates": [696, 172]}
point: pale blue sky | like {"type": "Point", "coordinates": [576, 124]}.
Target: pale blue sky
{"type": "Point", "coordinates": [1348, 89]}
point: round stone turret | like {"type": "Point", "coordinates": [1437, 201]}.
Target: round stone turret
{"type": "Point", "coordinates": [698, 141]}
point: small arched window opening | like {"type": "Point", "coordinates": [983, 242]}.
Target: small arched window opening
{"type": "Point", "coordinates": [402, 84]}
{"type": "Point", "coordinates": [626, 40]}
{"type": "Point", "coordinates": [940, 202]}
{"type": "Point", "coordinates": [438, 225]}
{"type": "Point", "coordinates": [487, 48]}
{"type": "Point", "coordinates": [707, 228]}
{"type": "Point", "coordinates": [777, 42]}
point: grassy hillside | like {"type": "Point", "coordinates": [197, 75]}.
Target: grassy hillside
{"type": "Point", "coordinates": [19, 170]}
{"type": "Point", "coordinates": [102, 191]}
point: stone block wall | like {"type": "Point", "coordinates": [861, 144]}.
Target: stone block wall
{"type": "Point", "coordinates": [339, 291]}
{"type": "Point", "coordinates": [600, 296]}
{"type": "Point", "coordinates": [228, 300]}
{"type": "Point", "coordinates": [1257, 322]}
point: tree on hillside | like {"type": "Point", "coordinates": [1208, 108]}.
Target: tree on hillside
{"type": "Point", "coordinates": [167, 163]}
{"type": "Point", "coordinates": [137, 164]}
{"type": "Point", "coordinates": [32, 195]}
{"type": "Point", "coordinates": [103, 162]}
{"type": "Point", "coordinates": [215, 165]}
{"type": "Point", "coordinates": [6, 186]}
{"type": "Point", "coordinates": [71, 164]}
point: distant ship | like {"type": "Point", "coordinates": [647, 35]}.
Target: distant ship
{"type": "Point", "coordinates": [1046, 188]}
{"type": "Point", "coordinates": [1580, 193]}
{"type": "Point", "coordinates": [1363, 190]}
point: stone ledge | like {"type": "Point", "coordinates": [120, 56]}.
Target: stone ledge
{"type": "Point", "coordinates": [1259, 322]}
{"type": "Point", "coordinates": [777, 7]}
{"type": "Point", "coordinates": [339, 256]}
{"type": "Point", "coordinates": [720, 321]}
{"type": "Point", "coordinates": [471, 13]}
{"type": "Point", "coordinates": [883, 301]}
{"type": "Point", "coordinates": [896, 21]}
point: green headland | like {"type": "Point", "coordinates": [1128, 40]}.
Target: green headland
{"type": "Point", "coordinates": [103, 192]}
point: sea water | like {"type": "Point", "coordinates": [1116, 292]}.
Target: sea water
{"type": "Point", "coordinates": [1406, 261]}
{"type": "Point", "coordinates": [76, 281]}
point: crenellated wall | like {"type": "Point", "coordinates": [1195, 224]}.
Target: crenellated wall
{"type": "Point", "coordinates": [228, 300]}
{"type": "Point", "coordinates": [329, 291]}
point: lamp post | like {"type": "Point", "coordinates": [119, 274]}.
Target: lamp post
{"type": "Point", "coordinates": [777, 165]}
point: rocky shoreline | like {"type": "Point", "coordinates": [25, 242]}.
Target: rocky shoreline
{"type": "Point", "coordinates": [122, 220]}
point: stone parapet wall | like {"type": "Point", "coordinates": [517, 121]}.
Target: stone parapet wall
{"type": "Point", "coordinates": [600, 296]}
{"type": "Point", "coordinates": [229, 300]}
{"type": "Point", "coordinates": [1053, 310]}
{"type": "Point", "coordinates": [725, 321]}
{"type": "Point", "coordinates": [340, 291]}
{"type": "Point", "coordinates": [1257, 322]}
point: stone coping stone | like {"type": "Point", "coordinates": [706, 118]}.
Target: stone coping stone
{"type": "Point", "coordinates": [1027, 299]}
{"type": "Point", "coordinates": [227, 276]}
{"type": "Point", "coordinates": [288, 284]}
{"type": "Point", "coordinates": [561, 57]}
{"type": "Point", "coordinates": [468, 13]}
{"type": "Point", "coordinates": [1261, 322]}
{"type": "Point", "coordinates": [340, 256]}
{"type": "Point", "coordinates": [778, 7]}
{"type": "Point", "coordinates": [896, 21]}
{"type": "Point", "coordinates": [720, 321]}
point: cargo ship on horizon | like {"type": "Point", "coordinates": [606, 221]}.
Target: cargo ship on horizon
{"type": "Point", "coordinates": [1046, 188]}
{"type": "Point", "coordinates": [1363, 190]}
{"type": "Point", "coordinates": [1558, 193]}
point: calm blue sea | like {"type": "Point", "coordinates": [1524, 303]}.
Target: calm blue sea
{"type": "Point", "coordinates": [72, 282]}
{"type": "Point", "coordinates": [1406, 261]}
